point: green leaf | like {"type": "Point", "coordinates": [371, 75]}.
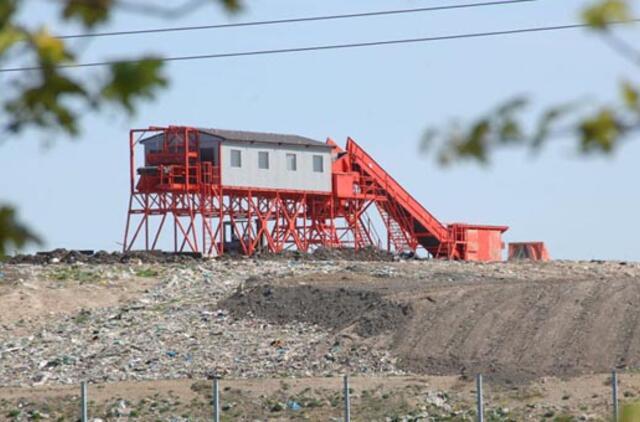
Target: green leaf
{"type": "Point", "coordinates": [89, 12]}
{"type": "Point", "coordinates": [600, 132]}
{"type": "Point", "coordinates": [131, 80]}
{"type": "Point", "coordinates": [474, 145]}
{"type": "Point", "coordinates": [512, 106]}
{"type": "Point", "coordinates": [428, 139]}
{"type": "Point", "coordinates": [509, 130]}
{"type": "Point", "coordinates": [8, 9]}
{"type": "Point", "coordinates": [549, 118]}
{"type": "Point", "coordinates": [10, 36]}
{"type": "Point", "coordinates": [49, 49]}
{"type": "Point", "coordinates": [600, 14]}
{"type": "Point", "coordinates": [506, 127]}
{"type": "Point", "coordinates": [44, 105]}
{"type": "Point", "coordinates": [630, 95]}
{"type": "Point", "coordinates": [232, 5]}
{"type": "Point", "coordinates": [12, 232]}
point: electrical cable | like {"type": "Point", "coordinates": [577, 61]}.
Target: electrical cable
{"type": "Point", "coordinates": [322, 47]}
{"type": "Point", "coordinates": [293, 20]}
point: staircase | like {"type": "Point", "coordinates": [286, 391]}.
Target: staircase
{"type": "Point", "coordinates": [408, 222]}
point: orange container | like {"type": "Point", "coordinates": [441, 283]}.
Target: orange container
{"type": "Point", "coordinates": [534, 251]}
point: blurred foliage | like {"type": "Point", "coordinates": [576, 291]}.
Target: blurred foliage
{"type": "Point", "coordinates": [630, 413]}
{"type": "Point", "coordinates": [131, 80]}
{"type": "Point", "coordinates": [12, 232]}
{"type": "Point", "coordinates": [52, 98]}
{"type": "Point", "coordinates": [600, 13]}
{"type": "Point", "coordinates": [597, 128]}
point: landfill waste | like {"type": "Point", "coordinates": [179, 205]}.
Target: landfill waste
{"type": "Point", "coordinates": [266, 318]}
{"type": "Point", "coordinates": [65, 256]}
{"type": "Point", "coordinates": [294, 405]}
{"type": "Point", "coordinates": [176, 329]}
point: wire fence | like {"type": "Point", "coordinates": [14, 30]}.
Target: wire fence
{"type": "Point", "coordinates": [218, 398]}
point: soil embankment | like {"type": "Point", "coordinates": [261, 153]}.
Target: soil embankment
{"type": "Point", "coordinates": [516, 327]}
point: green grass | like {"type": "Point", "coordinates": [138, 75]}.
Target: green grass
{"type": "Point", "coordinates": [147, 272]}
{"type": "Point", "coordinates": [75, 273]}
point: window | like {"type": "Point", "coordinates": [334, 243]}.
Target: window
{"type": "Point", "coordinates": [263, 159]}
{"type": "Point", "coordinates": [291, 162]}
{"type": "Point", "coordinates": [318, 166]}
{"type": "Point", "coordinates": [207, 155]}
{"type": "Point", "coordinates": [236, 158]}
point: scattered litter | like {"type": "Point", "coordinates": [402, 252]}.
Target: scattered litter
{"type": "Point", "coordinates": [177, 329]}
{"type": "Point", "coordinates": [294, 405]}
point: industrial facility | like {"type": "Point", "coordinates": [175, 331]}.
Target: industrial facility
{"type": "Point", "coordinates": [218, 191]}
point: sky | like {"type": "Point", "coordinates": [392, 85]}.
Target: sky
{"type": "Point", "coordinates": [74, 192]}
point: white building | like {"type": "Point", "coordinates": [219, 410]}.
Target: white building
{"type": "Point", "coordinates": [261, 160]}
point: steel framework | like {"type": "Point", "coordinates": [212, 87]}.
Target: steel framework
{"type": "Point", "coordinates": [175, 187]}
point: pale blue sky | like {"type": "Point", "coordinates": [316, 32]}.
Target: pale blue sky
{"type": "Point", "coordinates": [75, 194]}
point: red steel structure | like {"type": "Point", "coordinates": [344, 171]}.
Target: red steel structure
{"type": "Point", "coordinates": [533, 251]}
{"type": "Point", "coordinates": [176, 187]}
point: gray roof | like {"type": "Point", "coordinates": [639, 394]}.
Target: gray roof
{"type": "Point", "coordinates": [261, 137]}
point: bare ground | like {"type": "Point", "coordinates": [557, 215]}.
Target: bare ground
{"type": "Point", "coordinates": [441, 398]}
{"type": "Point", "coordinates": [560, 321]}
{"type": "Point", "coordinates": [36, 298]}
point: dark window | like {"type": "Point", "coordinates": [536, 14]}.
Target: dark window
{"type": "Point", "coordinates": [207, 154]}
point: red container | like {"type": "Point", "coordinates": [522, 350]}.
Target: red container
{"type": "Point", "coordinates": [533, 251]}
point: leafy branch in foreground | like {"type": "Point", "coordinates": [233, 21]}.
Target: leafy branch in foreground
{"type": "Point", "coordinates": [600, 129]}
{"type": "Point", "coordinates": [53, 99]}
{"type": "Point", "coordinates": [12, 232]}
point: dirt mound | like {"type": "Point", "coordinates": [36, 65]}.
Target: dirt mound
{"type": "Point", "coordinates": [102, 257]}
{"type": "Point", "coordinates": [519, 330]}
{"type": "Point", "coordinates": [511, 322]}
{"type": "Point", "coordinates": [335, 308]}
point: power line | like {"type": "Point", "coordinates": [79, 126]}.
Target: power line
{"type": "Point", "coordinates": [294, 20]}
{"type": "Point", "coordinates": [324, 47]}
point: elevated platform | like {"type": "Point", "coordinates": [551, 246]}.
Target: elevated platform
{"type": "Point", "coordinates": [194, 179]}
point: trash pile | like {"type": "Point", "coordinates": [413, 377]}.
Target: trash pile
{"type": "Point", "coordinates": [65, 256]}
{"type": "Point", "coordinates": [89, 256]}
{"type": "Point", "coordinates": [177, 329]}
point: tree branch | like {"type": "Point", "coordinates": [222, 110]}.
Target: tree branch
{"type": "Point", "coordinates": [160, 11]}
{"type": "Point", "coordinates": [622, 47]}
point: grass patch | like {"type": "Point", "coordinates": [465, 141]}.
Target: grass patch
{"type": "Point", "coordinates": [75, 273]}
{"type": "Point", "coordinates": [147, 272]}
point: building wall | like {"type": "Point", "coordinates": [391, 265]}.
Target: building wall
{"type": "Point", "coordinates": [277, 176]}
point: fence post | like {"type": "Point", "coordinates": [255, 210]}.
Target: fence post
{"type": "Point", "coordinates": [347, 401]}
{"type": "Point", "coordinates": [614, 394]}
{"type": "Point", "coordinates": [84, 413]}
{"type": "Point", "coordinates": [216, 398]}
{"type": "Point", "coordinates": [479, 398]}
